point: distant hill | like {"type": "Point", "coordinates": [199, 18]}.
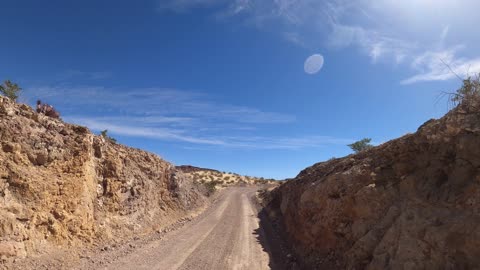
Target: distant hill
{"type": "Point", "coordinates": [217, 179]}
{"type": "Point", "coordinates": [190, 169]}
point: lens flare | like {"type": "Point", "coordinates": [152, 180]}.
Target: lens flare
{"type": "Point", "coordinates": [313, 64]}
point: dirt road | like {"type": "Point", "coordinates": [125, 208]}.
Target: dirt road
{"type": "Point", "coordinates": [226, 236]}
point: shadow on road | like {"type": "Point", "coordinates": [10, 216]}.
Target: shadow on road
{"type": "Point", "coordinates": [274, 244]}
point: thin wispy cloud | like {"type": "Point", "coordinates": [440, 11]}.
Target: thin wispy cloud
{"type": "Point", "coordinates": [142, 131]}
{"type": "Point", "coordinates": [73, 74]}
{"type": "Point", "coordinates": [183, 5]}
{"type": "Point", "coordinates": [173, 115]}
{"type": "Point", "coordinates": [182, 135]}
{"type": "Point", "coordinates": [294, 38]}
{"type": "Point", "coordinates": [384, 31]}
{"type": "Point", "coordinates": [373, 44]}
{"type": "Point", "coordinates": [441, 66]}
{"type": "Point", "coordinates": [258, 142]}
{"type": "Point", "coordinates": [155, 102]}
{"type": "Point", "coordinates": [444, 34]}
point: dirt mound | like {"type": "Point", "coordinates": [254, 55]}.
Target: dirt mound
{"type": "Point", "coordinates": [411, 203]}
{"type": "Point", "coordinates": [60, 185]}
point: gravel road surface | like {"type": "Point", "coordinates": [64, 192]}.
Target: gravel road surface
{"type": "Point", "coordinates": [226, 236]}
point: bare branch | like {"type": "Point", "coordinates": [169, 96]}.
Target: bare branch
{"type": "Point", "coordinates": [451, 70]}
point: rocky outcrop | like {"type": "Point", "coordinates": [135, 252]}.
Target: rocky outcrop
{"type": "Point", "coordinates": [60, 185]}
{"type": "Point", "coordinates": [411, 203]}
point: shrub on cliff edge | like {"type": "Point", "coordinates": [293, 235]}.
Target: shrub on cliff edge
{"type": "Point", "coordinates": [361, 145]}
{"type": "Point", "coordinates": [10, 90]}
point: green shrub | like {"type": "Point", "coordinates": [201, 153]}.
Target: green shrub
{"type": "Point", "coordinates": [361, 145]}
{"type": "Point", "coordinates": [211, 187]}
{"type": "Point", "coordinates": [104, 134]}
{"type": "Point", "coordinates": [10, 90]}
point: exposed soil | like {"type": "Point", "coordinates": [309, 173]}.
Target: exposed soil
{"type": "Point", "coordinates": [224, 237]}
{"type": "Point", "coordinates": [227, 235]}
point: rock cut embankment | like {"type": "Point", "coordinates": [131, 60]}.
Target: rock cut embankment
{"type": "Point", "coordinates": [61, 185]}
{"type": "Point", "coordinates": [411, 203]}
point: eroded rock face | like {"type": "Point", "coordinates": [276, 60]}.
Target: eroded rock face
{"type": "Point", "coordinates": [411, 203]}
{"type": "Point", "coordinates": [62, 185]}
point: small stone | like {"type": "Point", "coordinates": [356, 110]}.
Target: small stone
{"type": "Point", "coordinates": [63, 132]}
{"type": "Point", "coordinates": [41, 159]}
{"type": "Point", "coordinates": [11, 249]}
{"type": "Point", "coordinates": [8, 147]}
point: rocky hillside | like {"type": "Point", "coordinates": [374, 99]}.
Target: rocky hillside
{"type": "Point", "coordinates": [60, 185]}
{"type": "Point", "coordinates": [216, 179]}
{"type": "Point", "coordinates": [411, 203]}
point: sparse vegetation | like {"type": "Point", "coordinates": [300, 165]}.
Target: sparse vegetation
{"type": "Point", "coordinates": [361, 145]}
{"type": "Point", "coordinates": [212, 179]}
{"type": "Point", "coordinates": [10, 90]}
{"type": "Point", "coordinates": [104, 134]}
{"type": "Point", "coordinates": [469, 89]}
{"type": "Point", "coordinates": [211, 187]}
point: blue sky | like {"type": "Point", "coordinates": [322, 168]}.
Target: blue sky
{"type": "Point", "coordinates": [222, 84]}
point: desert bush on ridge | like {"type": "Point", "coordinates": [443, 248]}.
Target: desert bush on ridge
{"type": "Point", "coordinates": [470, 88]}
{"type": "Point", "coordinates": [10, 90]}
{"type": "Point", "coordinates": [104, 134]}
{"type": "Point", "coordinates": [361, 145]}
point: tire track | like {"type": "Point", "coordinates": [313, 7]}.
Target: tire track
{"type": "Point", "coordinates": [224, 238]}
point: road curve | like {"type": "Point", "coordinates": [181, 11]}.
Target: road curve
{"type": "Point", "coordinates": [226, 236]}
